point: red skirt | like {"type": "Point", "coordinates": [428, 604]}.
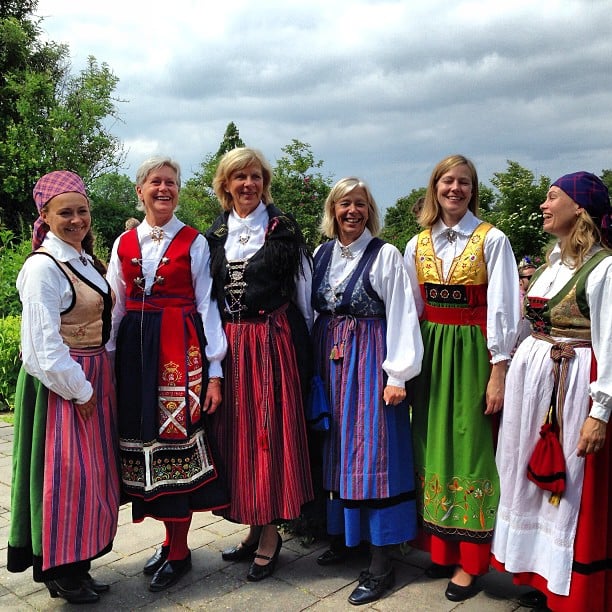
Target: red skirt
{"type": "Point", "coordinates": [260, 427]}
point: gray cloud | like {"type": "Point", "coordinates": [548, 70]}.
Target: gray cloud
{"type": "Point", "coordinates": [382, 90]}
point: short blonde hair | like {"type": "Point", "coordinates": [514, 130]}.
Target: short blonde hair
{"type": "Point", "coordinates": [328, 225]}
{"type": "Point", "coordinates": [431, 210]}
{"type": "Point", "coordinates": [237, 159]}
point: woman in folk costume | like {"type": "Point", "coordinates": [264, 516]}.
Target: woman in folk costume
{"type": "Point", "coordinates": [563, 549]}
{"type": "Point", "coordinates": [65, 487]}
{"type": "Point", "coordinates": [464, 276]}
{"type": "Point", "coordinates": [262, 276]}
{"type": "Point", "coordinates": [368, 345]}
{"type": "Point", "coordinates": [169, 347]}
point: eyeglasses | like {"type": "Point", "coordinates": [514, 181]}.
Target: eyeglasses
{"type": "Point", "coordinates": [527, 276]}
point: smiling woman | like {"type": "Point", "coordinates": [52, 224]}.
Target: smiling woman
{"type": "Point", "coordinates": [65, 449]}
{"type": "Point", "coordinates": [169, 344]}
{"type": "Point", "coordinates": [465, 283]}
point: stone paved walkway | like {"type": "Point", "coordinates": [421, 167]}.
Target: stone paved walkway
{"type": "Point", "coordinates": [297, 584]}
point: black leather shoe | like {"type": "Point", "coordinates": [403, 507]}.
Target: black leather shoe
{"type": "Point", "coordinates": [170, 573]}
{"type": "Point", "coordinates": [242, 552]}
{"type": "Point", "coordinates": [78, 595]}
{"type": "Point", "coordinates": [371, 588]}
{"type": "Point", "coordinates": [156, 561]}
{"type": "Point", "coordinates": [259, 572]}
{"type": "Point", "coordinates": [533, 599]}
{"type": "Point", "coordinates": [456, 592]}
{"type": "Point", "coordinates": [94, 585]}
{"type": "Point", "coordinates": [437, 571]}
{"type": "Point", "coordinates": [332, 557]}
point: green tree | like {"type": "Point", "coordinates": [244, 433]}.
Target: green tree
{"type": "Point", "coordinates": [517, 209]}
{"type": "Point", "coordinates": [606, 177]}
{"type": "Point", "coordinates": [49, 119]}
{"type": "Point", "coordinates": [198, 203]}
{"type": "Point", "coordinates": [400, 220]}
{"type": "Point", "coordinates": [113, 200]}
{"type": "Point", "coordinates": [299, 187]}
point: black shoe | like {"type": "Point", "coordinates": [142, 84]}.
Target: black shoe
{"type": "Point", "coordinates": [156, 561]}
{"type": "Point", "coordinates": [437, 571]}
{"type": "Point", "coordinates": [259, 572]}
{"type": "Point", "coordinates": [78, 595]}
{"type": "Point", "coordinates": [371, 588]}
{"type": "Point", "coordinates": [456, 592]}
{"type": "Point", "coordinates": [94, 585]}
{"type": "Point", "coordinates": [242, 552]}
{"type": "Point", "coordinates": [170, 573]}
{"type": "Point", "coordinates": [332, 557]}
{"type": "Point", "coordinates": [533, 599]}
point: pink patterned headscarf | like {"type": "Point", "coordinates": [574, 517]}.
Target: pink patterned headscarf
{"type": "Point", "coordinates": [47, 187]}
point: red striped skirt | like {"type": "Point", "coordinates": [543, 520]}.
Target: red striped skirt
{"type": "Point", "coordinates": [81, 478]}
{"type": "Point", "coordinates": [260, 427]}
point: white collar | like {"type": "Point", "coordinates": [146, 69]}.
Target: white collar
{"type": "Point", "coordinates": [258, 216]}
{"type": "Point", "coordinates": [62, 251]}
{"type": "Point", "coordinates": [466, 226]}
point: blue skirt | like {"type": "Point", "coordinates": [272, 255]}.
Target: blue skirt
{"type": "Point", "coordinates": [367, 462]}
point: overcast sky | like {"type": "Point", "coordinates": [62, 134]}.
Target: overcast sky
{"type": "Point", "coordinates": [380, 89]}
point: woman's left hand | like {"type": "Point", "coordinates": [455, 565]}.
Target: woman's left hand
{"type": "Point", "coordinates": [592, 437]}
{"type": "Point", "coordinates": [496, 387]}
{"type": "Point", "coordinates": [213, 396]}
{"type": "Point", "coordinates": [392, 396]}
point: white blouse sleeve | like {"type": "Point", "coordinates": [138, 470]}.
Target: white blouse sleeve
{"type": "Point", "coordinates": [45, 292]}
{"type": "Point", "coordinates": [389, 278]}
{"type": "Point", "coordinates": [599, 297]}
{"type": "Point", "coordinates": [503, 304]}
{"type": "Point", "coordinates": [114, 276]}
{"type": "Point", "coordinates": [216, 346]}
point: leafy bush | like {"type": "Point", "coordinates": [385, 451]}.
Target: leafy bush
{"type": "Point", "coordinates": [9, 360]}
{"type": "Point", "coordinates": [13, 252]}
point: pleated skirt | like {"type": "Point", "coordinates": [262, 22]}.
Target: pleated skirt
{"type": "Point", "coordinates": [260, 426]}
{"type": "Point", "coordinates": [65, 489]}
{"type": "Point", "coordinates": [564, 551]}
{"type": "Point", "coordinates": [367, 453]}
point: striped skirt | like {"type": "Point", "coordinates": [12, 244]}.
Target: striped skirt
{"type": "Point", "coordinates": [367, 454]}
{"type": "Point", "coordinates": [260, 427]}
{"type": "Point", "coordinates": [65, 493]}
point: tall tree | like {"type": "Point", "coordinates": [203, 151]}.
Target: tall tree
{"type": "Point", "coordinates": [517, 209]}
{"type": "Point", "coordinates": [300, 188]}
{"type": "Point", "coordinates": [113, 200]}
{"type": "Point", "coordinates": [49, 119]}
{"type": "Point", "coordinates": [400, 220]}
{"type": "Point", "coordinates": [198, 204]}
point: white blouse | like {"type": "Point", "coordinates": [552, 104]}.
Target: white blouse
{"type": "Point", "coordinates": [599, 297]}
{"type": "Point", "coordinates": [389, 279]}
{"type": "Point", "coordinates": [45, 292]}
{"type": "Point", "coordinates": [252, 230]}
{"type": "Point", "coordinates": [206, 306]}
{"type": "Point", "coordinates": [503, 305]}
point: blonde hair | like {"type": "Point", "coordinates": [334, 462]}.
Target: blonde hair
{"type": "Point", "coordinates": [582, 238]}
{"type": "Point", "coordinates": [328, 225]}
{"type": "Point", "coordinates": [237, 159]}
{"type": "Point", "coordinates": [431, 210]}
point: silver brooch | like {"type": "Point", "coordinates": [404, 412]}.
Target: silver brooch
{"type": "Point", "coordinates": [451, 235]}
{"type": "Point", "coordinates": [346, 252]}
{"type": "Point", "coordinates": [157, 234]}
